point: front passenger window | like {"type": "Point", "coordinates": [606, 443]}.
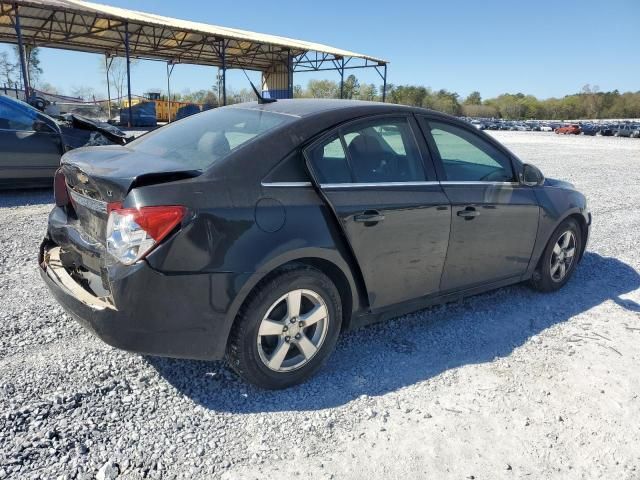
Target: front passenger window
{"type": "Point", "coordinates": [468, 158]}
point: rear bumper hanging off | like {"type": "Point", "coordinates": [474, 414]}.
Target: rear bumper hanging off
{"type": "Point", "coordinates": [181, 316]}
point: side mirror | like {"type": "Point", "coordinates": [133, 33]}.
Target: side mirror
{"type": "Point", "coordinates": [531, 176]}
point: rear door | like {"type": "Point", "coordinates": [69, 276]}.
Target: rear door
{"type": "Point", "coordinates": [388, 203]}
{"type": "Point", "coordinates": [494, 219]}
{"type": "Point", "coordinates": [27, 154]}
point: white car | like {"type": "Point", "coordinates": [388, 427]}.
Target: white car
{"type": "Point", "coordinates": [546, 128]}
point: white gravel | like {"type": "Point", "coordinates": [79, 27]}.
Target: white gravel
{"type": "Point", "coordinates": [511, 384]}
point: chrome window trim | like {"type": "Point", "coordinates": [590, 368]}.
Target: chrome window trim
{"type": "Point", "coordinates": [382, 184]}
{"type": "Point", "coordinates": [13, 130]}
{"type": "Point", "coordinates": [286, 184]}
{"type": "Point", "coordinates": [378, 184]}
{"type": "Point", "coordinates": [453, 182]}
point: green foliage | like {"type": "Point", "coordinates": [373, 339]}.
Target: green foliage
{"type": "Point", "coordinates": [202, 97]}
{"type": "Point", "coordinates": [351, 88]}
{"type": "Point", "coordinates": [474, 98]}
{"type": "Point", "coordinates": [322, 89]}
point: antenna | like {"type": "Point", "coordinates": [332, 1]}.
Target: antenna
{"type": "Point", "coordinates": [261, 99]}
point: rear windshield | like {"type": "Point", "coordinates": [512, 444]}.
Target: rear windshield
{"type": "Point", "coordinates": [201, 140]}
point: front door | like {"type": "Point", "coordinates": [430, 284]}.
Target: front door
{"type": "Point", "coordinates": [494, 219]}
{"type": "Point", "coordinates": [27, 154]}
{"type": "Point", "coordinates": [388, 203]}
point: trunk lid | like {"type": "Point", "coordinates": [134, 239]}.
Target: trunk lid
{"type": "Point", "coordinates": [98, 176]}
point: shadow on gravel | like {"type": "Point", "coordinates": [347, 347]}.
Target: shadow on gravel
{"type": "Point", "coordinates": [386, 357]}
{"type": "Point", "coordinates": [22, 198]}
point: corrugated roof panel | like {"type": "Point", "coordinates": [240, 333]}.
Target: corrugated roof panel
{"type": "Point", "coordinates": [93, 27]}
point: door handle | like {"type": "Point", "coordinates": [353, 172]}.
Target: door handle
{"type": "Point", "coordinates": [468, 213]}
{"type": "Point", "coordinates": [370, 216]}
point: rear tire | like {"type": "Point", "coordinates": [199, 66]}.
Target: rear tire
{"type": "Point", "coordinates": [559, 258]}
{"type": "Point", "coordinates": [287, 329]}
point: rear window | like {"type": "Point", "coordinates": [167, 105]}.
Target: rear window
{"type": "Point", "coordinates": [201, 140]}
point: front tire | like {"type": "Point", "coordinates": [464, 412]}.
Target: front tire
{"type": "Point", "coordinates": [559, 258]}
{"type": "Point", "coordinates": [287, 329]}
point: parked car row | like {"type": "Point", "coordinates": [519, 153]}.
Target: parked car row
{"type": "Point", "coordinates": [626, 129]}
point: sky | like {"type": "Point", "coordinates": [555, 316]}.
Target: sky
{"type": "Point", "coordinates": [545, 47]}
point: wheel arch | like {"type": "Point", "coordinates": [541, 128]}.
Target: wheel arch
{"type": "Point", "coordinates": [584, 230]}
{"type": "Point", "coordinates": [330, 262]}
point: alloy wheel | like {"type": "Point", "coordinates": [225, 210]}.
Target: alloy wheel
{"type": "Point", "coordinates": [293, 330]}
{"type": "Point", "coordinates": [562, 256]}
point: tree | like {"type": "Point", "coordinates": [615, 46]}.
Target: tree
{"type": "Point", "coordinates": [593, 100]}
{"type": "Point", "coordinates": [368, 91]}
{"type": "Point", "coordinates": [298, 91]}
{"type": "Point", "coordinates": [83, 91]}
{"type": "Point", "coordinates": [32, 56]}
{"type": "Point", "coordinates": [48, 88]}
{"type": "Point", "coordinates": [8, 73]}
{"type": "Point", "coordinates": [33, 65]}
{"type": "Point", "coordinates": [474, 98]}
{"type": "Point", "coordinates": [118, 75]}
{"type": "Point", "coordinates": [351, 87]}
{"type": "Point", "coordinates": [323, 89]}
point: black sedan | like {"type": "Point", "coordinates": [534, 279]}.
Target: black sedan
{"type": "Point", "coordinates": [260, 232]}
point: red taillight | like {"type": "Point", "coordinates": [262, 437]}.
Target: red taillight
{"type": "Point", "coordinates": [60, 192]}
{"type": "Point", "coordinates": [113, 206]}
{"type": "Point", "coordinates": [133, 232]}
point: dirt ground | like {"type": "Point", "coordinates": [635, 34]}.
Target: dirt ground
{"type": "Point", "coordinates": [507, 385]}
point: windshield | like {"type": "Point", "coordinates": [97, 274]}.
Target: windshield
{"type": "Point", "coordinates": [202, 139]}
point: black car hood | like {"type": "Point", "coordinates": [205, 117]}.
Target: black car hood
{"type": "Point", "coordinates": [117, 169]}
{"type": "Point", "coordinates": [553, 182]}
{"type": "Point", "coordinates": [114, 134]}
{"type": "Point", "coordinates": [79, 131]}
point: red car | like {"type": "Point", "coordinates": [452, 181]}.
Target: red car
{"type": "Point", "coordinates": [569, 129]}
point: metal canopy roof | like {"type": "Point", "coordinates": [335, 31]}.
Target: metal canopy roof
{"type": "Point", "coordinates": [92, 27]}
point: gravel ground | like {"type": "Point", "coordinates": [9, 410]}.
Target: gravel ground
{"type": "Point", "coordinates": [510, 384]}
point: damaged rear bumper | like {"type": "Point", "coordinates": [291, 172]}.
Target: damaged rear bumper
{"type": "Point", "coordinates": [183, 316]}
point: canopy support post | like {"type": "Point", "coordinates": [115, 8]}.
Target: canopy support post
{"type": "Point", "coordinates": [22, 55]}
{"type": "Point", "coordinates": [126, 48]}
{"type": "Point", "coordinates": [384, 85]}
{"type": "Point", "coordinates": [107, 66]}
{"type": "Point", "coordinates": [289, 73]}
{"type": "Point", "coordinates": [170, 66]}
{"type": "Point", "coordinates": [223, 58]}
{"type": "Point", "coordinates": [342, 77]}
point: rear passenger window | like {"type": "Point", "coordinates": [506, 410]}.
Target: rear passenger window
{"type": "Point", "coordinates": [383, 150]}
{"type": "Point", "coordinates": [330, 162]}
{"type": "Point", "coordinates": [377, 151]}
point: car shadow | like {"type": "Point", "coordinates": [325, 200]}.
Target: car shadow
{"type": "Point", "coordinates": [385, 357]}
{"type": "Point", "coordinates": [22, 198]}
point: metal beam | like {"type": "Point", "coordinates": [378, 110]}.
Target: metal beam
{"type": "Point", "coordinates": [107, 65]}
{"type": "Point", "coordinates": [384, 85]}
{"type": "Point", "coordinates": [223, 58]}
{"type": "Point", "coordinates": [342, 78]}
{"type": "Point", "coordinates": [126, 48]}
{"type": "Point", "coordinates": [21, 54]}
{"type": "Point", "coordinates": [170, 66]}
